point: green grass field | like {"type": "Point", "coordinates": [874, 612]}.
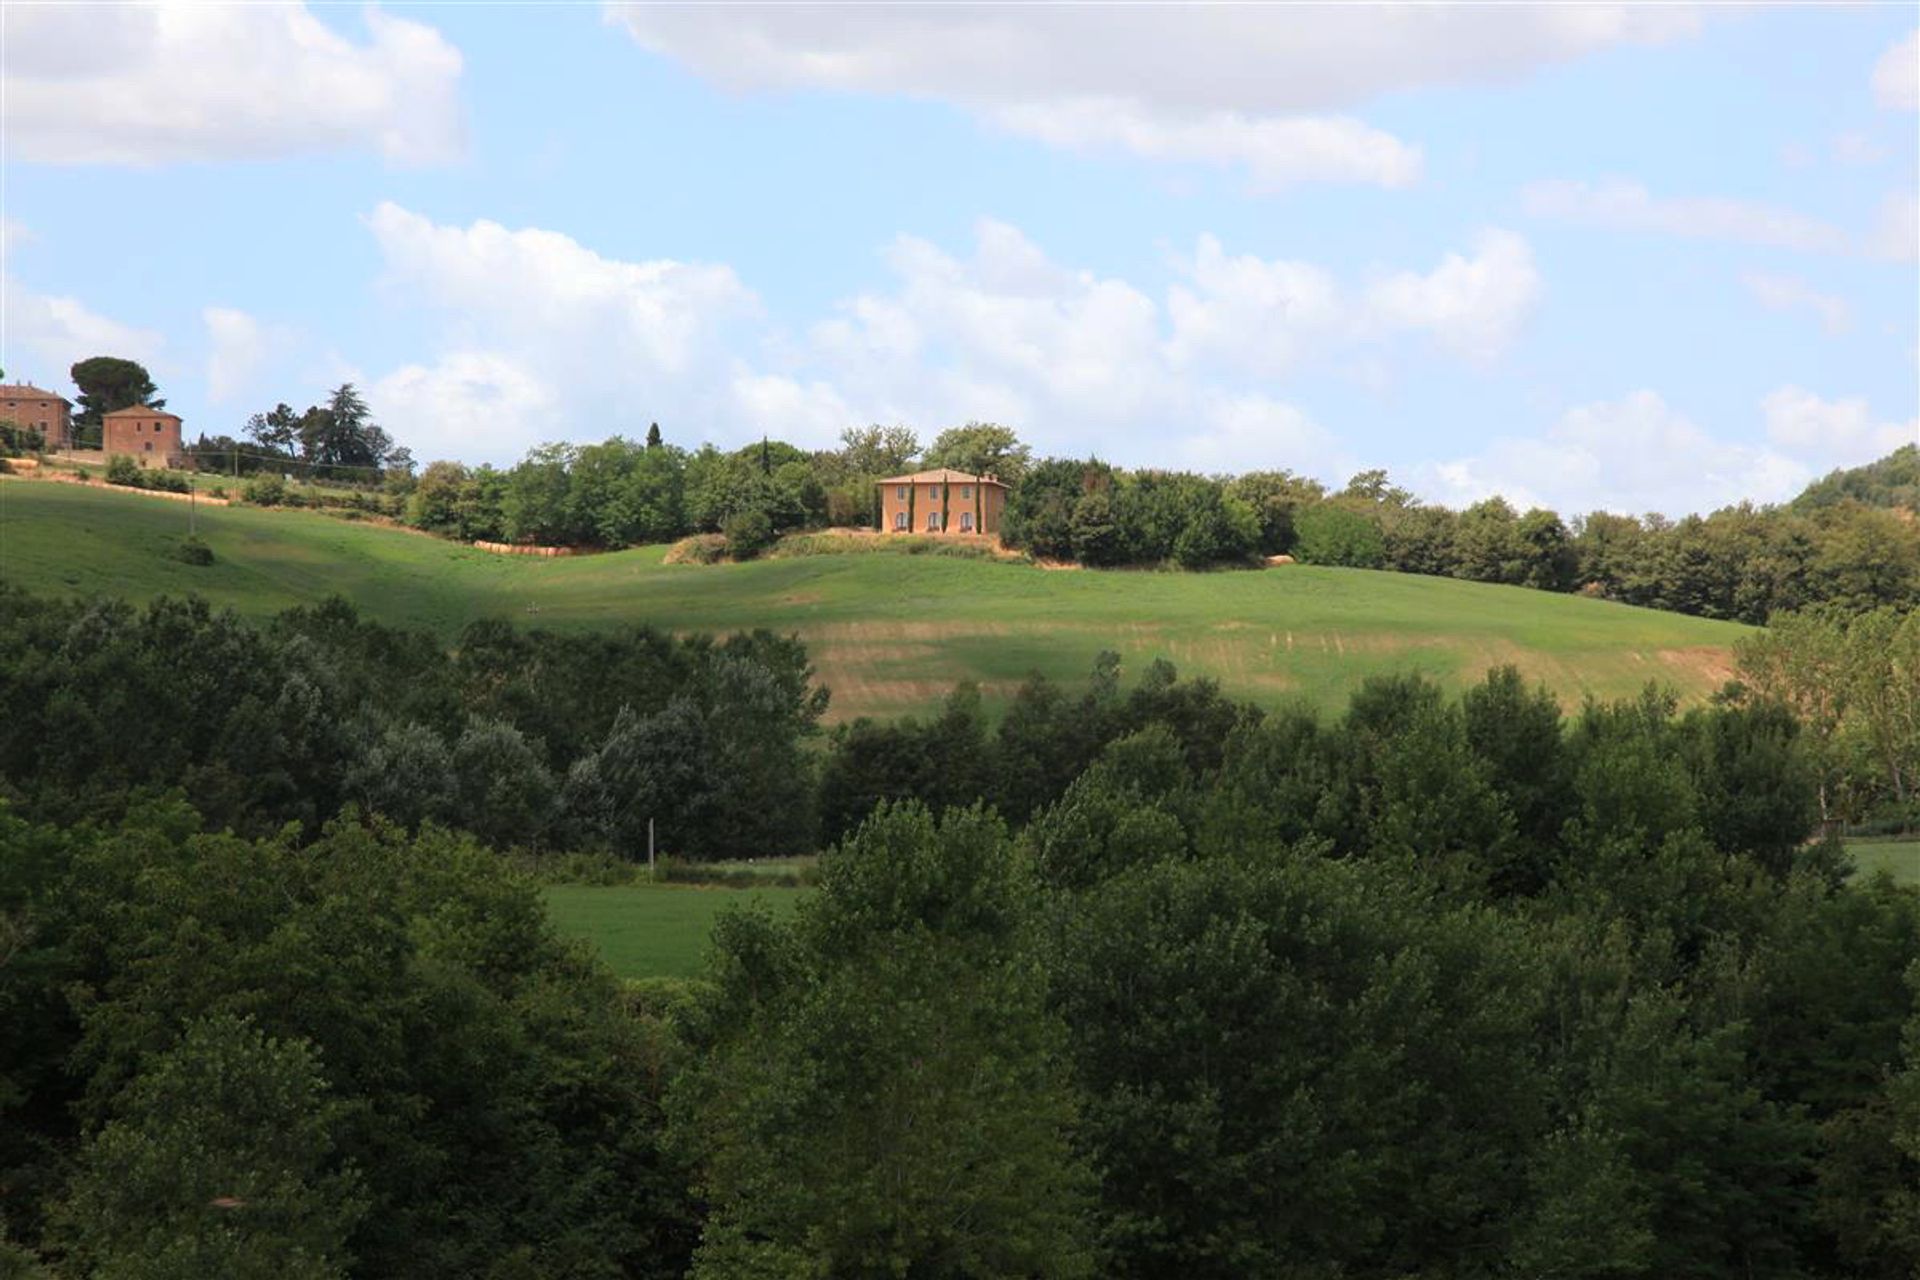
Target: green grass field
{"type": "Point", "coordinates": [652, 931]}
{"type": "Point", "coordinates": [1898, 857]}
{"type": "Point", "coordinates": [888, 633]}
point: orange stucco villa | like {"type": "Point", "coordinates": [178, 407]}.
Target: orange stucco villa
{"type": "Point", "coordinates": [942, 501]}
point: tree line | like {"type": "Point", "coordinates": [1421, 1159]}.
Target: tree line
{"type": "Point", "coordinates": [528, 739]}
{"type": "Point", "coordinates": [1442, 987]}
{"type": "Point", "coordinates": [1849, 541]}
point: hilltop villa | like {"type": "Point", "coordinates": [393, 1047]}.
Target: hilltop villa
{"type": "Point", "coordinates": [37, 409]}
{"type": "Point", "coordinates": [942, 501]}
{"type": "Point", "coordinates": [151, 437]}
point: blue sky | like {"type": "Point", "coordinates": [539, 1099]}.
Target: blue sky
{"type": "Point", "coordinates": [1642, 258]}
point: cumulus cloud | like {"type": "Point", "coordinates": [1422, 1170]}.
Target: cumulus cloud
{"type": "Point", "coordinates": [547, 289]}
{"type": "Point", "coordinates": [1472, 306]}
{"type": "Point", "coordinates": [579, 345]}
{"type": "Point", "coordinates": [576, 344]}
{"type": "Point", "coordinates": [1896, 235]}
{"type": "Point", "coordinates": [1833, 432]}
{"type": "Point", "coordinates": [1189, 57]}
{"type": "Point", "coordinates": [1790, 293]}
{"type": "Point", "coordinates": [1238, 85]}
{"type": "Point", "coordinates": [1275, 151]}
{"type": "Point", "coordinates": [1896, 76]}
{"type": "Point", "coordinates": [1631, 455]}
{"type": "Point", "coordinates": [1629, 206]}
{"type": "Point", "coordinates": [48, 333]}
{"type": "Point", "coordinates": [1621, 205]}
{"type": "Point", "coordinates": [238, 346]}
{"type": "Point", "coordinates": [1640, 454]}
{"type": "Point", "coordinates": [463, 402]}
{"type": "Point", "coordinates": [1250, 431]}
{"type": "Point", "coordinates": [153, 84]}
{"type": "Point", "coordinates": [1264, 316]}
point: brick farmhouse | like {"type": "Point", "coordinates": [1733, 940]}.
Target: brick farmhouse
{"type": "Point", "coordinates": [40, 410]}
{"type": "Point", "coordinates": [151, 437]}
{"type": "Point", "coordinates": [942, 501]}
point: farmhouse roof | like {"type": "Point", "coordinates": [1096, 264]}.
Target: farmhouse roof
{"type": "Point", "coordinates": [941, 475]}
{"type": "Point", "coordinates": [26, 390]}
{"type": "Point", "coordinates": [142, 411]}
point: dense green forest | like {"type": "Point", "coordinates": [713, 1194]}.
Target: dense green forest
{"type": "Point", "coordinates": [1138, 982]}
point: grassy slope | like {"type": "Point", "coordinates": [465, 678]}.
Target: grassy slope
{"type": "Point", "coordinates": [1899, 858]}
{"type": "Point", "coordinates": [888, 633]}
{"type": "Point", "coordinates": [646, 931]}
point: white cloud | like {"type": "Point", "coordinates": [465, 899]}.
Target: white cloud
{"type": "Point", "coordinates": [1896, 76]}
{"type": "Point", "coordinates": [576, 344]}
{"type": "Point", "coordinates": [154, 84]}
{"type": "Point", "coordinates": [46, 334]}
{"type": "Point", "coordinates": [1857, 150]}
{"type": "Point", "coordinates": [1200, 58]}
{"type": "Point", "coordinates": [1834, 432]}
{"type": "Point", "coordinates": [1248, 432]}
{"type": "Point", "coordinates": [547, 288]}
{"type": "Point", "coordinates": [1897, 233]}
{"type": "Point", "coordinates": [464, 402]}
{"type": "Point", "coordinates": [1276, 151]}
{"type": "Point", "coordinates": [1786, 293]}
{"type": "Point", "coordinates": [1241, 85]}
{"type": "Point", "coordinates": [1264, 316]}
{"type": "Point", "coordinates": [806, 410]}
{"type": "Point", "coordinates": [1629, 206]}
{"type": "Point", "coordinates": [1640, 454]}
{"type": "Point", "coordinates": [1471, 306]}
{"type": "Point", "coordinates": [1077, 361]}
{"type": "Point", "coordinates": [1631, 455]}
{"type": "Point", "coordinates": [238, 345]}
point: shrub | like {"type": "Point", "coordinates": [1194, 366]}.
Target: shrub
{"type": "Point", "coordinates": [124, 470]}
{"type": "Point", "coordinates": [1335, 535]}
{"type": "Point", "coordinates": [218, 491]}
{"type": "Point", "coordinates": [748, 533]}
{"type": "Point", "coordinates": [701, 548]}
{"type": "Point", "coordinates": [264, 491]}
{"type": "Point", "coordinates": [194, 552]}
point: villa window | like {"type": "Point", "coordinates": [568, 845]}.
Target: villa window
{"type": "Point", "coordinates": [903, 493]}
{"type": "Point", "coordinates": [966, 522]}
{"type": "Point", "coordinates": [900, 520]}
{"type": "Point", "coordinates": [966, 493]}
{"type": "Point", "coordinates": [933, 522]}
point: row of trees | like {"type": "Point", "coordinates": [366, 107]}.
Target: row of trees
{"type": "Point", "coordinates": [1834, 545]}
{"type": "Point", "coordinates": [621, 493]}
{"type": "Point", "coordinates": [528, 739]}
{"type": "Point", "coordinates": [1441, 988]}
{"type": "Point", "coordinates": [1854, 683]}
{"type": "Point", "coordinates": [1849, 540]}
{"type": "Point", "coordinates": [1846, 542]}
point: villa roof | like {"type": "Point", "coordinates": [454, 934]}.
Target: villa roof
{"type": "Point", "coordinates": [26, 390]}
{"type": "Point", "coordinates": [143, 411]}
{"type": "Point", "coordinates": [941, 475]}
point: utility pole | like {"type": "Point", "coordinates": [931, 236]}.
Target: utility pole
{"type": "Point", "coordinates": [650, 874]}
{"type": "Point", "coordinates": [193, 507]}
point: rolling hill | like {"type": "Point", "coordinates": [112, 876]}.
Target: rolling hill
{"type": "Point", "coordinates": [888, 633]}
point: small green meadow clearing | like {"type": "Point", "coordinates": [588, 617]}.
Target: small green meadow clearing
{"type": "Point", "coordinates": [649, 930]}
{"type": "Point", "coordinates": [1898, 856]}
{"type": "Point", "coordinates": [888, 633]}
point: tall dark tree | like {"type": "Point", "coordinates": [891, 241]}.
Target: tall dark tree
{"type": "Point", "coordinates": [342, 433]}
{"type": "Point", "coordinates": [653, 435]}
{"type": "Point", "coordinates": [107, 383]}
{"type": "Point", "coordinates": [277, 430]}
